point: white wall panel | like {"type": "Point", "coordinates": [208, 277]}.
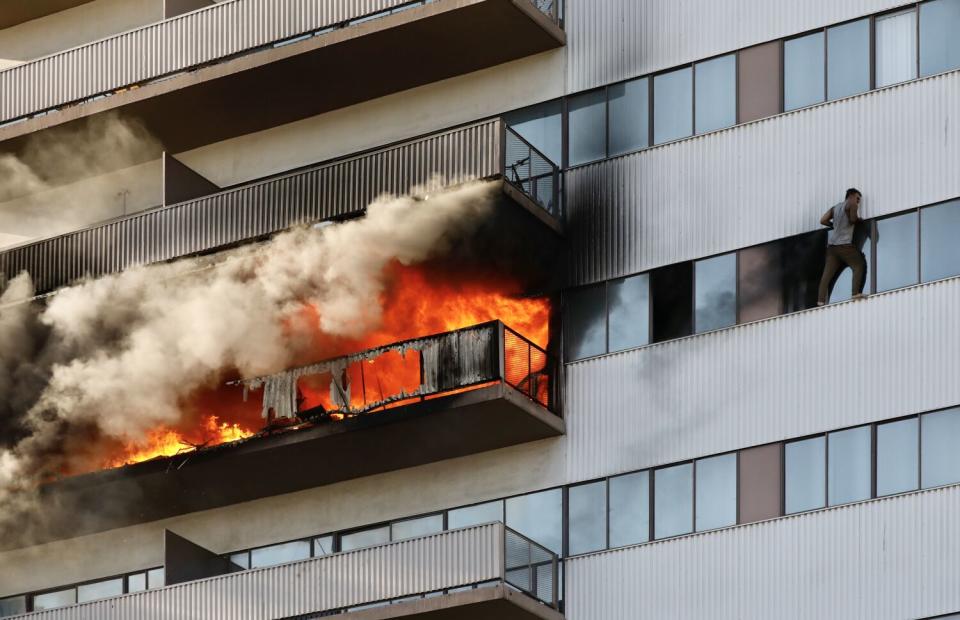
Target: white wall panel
{"type": "Point", "coordinates": [847, 364]}
{"type": "Point", "coordinates": [611, 40]}
{"type": "Point", "coordinates": [887, 559]}
{"type": "Point", "coordinates": [765, 180]}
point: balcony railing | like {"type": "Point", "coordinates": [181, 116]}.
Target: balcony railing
{"type": "Point", "coordinates": [408, 372]}
{"type": "Point", "coordinates": [532, 172]}
{"type": "Point", "coordinates": [437, 565]}
{"type": "Point", "coordinates": [336, 189]}
{"type": "Point", "coordinates": [183, 43]}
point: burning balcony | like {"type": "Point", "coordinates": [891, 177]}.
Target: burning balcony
{"type": "Point", "coordinates": [406, 404]}
{"type": "Point", "coordinates": [255, 78]}
{"type": "Point", "coordinates": [485, 571]}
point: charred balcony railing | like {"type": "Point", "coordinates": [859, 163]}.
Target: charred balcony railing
{"type": "Point", "coordinates": [532, 172]}
{"type": "Point", "coordinates": [408, 372]}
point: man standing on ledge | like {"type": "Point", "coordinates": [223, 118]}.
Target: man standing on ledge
{"type": "Point", "coordinates": [840, 247]}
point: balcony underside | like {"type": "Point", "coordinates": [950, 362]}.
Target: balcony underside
{"type": "Point", "coordinates": [484, 419]}
{"type": "Point", "coordinates": [344, 67]}
{"type": "Point", "coordinates": [500, 602]}
{"type": "Point", "coordinates": [18, 11]}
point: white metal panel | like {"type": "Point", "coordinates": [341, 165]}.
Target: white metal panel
{"type": "Point", "coordinates": [890, 355]}
{"type": "Point", "coordinates": [893, 559]}
{"type": "Point", "coordinates": [611, 40]}
{"type": "Point", "coordinates": [450, 559]}
{"type": "Point", "coordinates": [765, 180]}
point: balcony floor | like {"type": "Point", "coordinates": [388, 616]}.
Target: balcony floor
{"type": "Point", "coordinates": [500, 602]}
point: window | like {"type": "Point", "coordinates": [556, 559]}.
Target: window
{"type": "Point", "coordinates": [939, 250]}
{"type": "Point", "coordinates": [716, 492]}
{"type": "Point", "coordinates": [716, 292]}
{"type": "Point", "coordinates": [629, 116]}
{"type": "Point", "coordinates": [801, 265]}
{"type": "Point", "coordinates": [803, 62]}
{"type": "Point", "coordinates": [155, 578]}
{"type": "Point", "coordinates": [587, 505]}
{"type": "Point", "coordinates": [101, 589]}
{"type": "Point", "coordinates": [13, 605]}
{"type": "Point", "coordinates": [758, 280]}
{"type": "Point", "coordinates": [760, 493]}
{"type": "Point", "coordinates": [585, 328]}
{"type": "Point", "coordinates": [475, 515]}
{"type": "Point", "coordinates": [716, 93]}
{"type": "Point", "coordinates": [542, 126]}
{"type": "Point", "coordinates": [939, 45]}
{"type": "Point", "coordinates": [898, 456]}
{"type": "Point", "coordinates": [896, 54]}
{"type": "Point", "coordinates": [671, 292]}
{"type": "Point", "coordinates": [138, 582]}
{"type": "Point", "coordinates": [842, 289]}
{"type": "Point", "coordinates": [280, 554]}
{"type": "Point", "coordinates": [539, 517]}
{"type": "Point", "coordinates": [673, 500]}
{"type": "Point", "coordinates": [804, 465]}
{"type": "Point", "coordinates": [53, 600]}
{"type": "Point", "coordinates": [672, 105]}
{"type": "Point", "coordinates": [588, 126]}
{"type": "Point", "coordinates": [849, 457]}
{"type": "Point", "coordinates": [940, 436]}
{"type": "Point", "coordinates": [629, 509]}
{"type": "Point", "coordinates": [848, 59]}
{"type": "Point", "coordinates": [629, 300]}
{"type": "Point", "coordinates": [412, 528]}
{"type": "Point", "coordinates": [322, 546]}
{"type": "Point", "coordinates": [241, 560]}
{"type": "Point", "coordinates": [759, 84]}
{"type": "Point", "coordinates": [365, 538]}
{"type": "Point", "coordinates": [896, 251]}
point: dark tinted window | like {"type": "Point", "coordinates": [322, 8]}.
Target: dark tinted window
{"type": "Point", "coordinates": [849, 458]}
{"type": "Point", "coordinates": [588, 127]}
{"type": "Point", "coordinates": [805, 475]}
{"type": "Point", "coordinates": [673, 500]}
{"type": "Point", "coordinates": [940, 455]}
{"type": "Point", "coordinates": [629, 300]}
{"type": "Point", "coordinates": [896, 42]}
{"type": "Point", "coordinates": [672, 105]}
{"type": "Point", "coordinates": [716, 492]}
{"type": "Point", "coordinates": [940, 241]}
{"type": "Point", "coordinates": [896, 251]}
{"type": "Point", "coordinates": [848, 59]}
{"type": "Point", "coordinates": [475, 515]}
{"type": "Point", "coordinates": [803, 71]}
{"type": "Point", "coordinates": [801, 265]}
{"type": "Point", "coordinates": [758, 280]}
{"type": "Point", "coordinates": [939, 43]}
{"type": "Point", "coordinates": [588, 517]}
{"type": "Point", "coordinates": [671, 292]}
{"type": "Point", "coordinates": [716, 93]}
{"type": "Point", "coordinates": [584, 324]}
{"type": "Point", "coordinates": [629, 509]}
{"type": "Point", "coordinates": [542, 126]}
{"type": "Point", "coordinates": [759, 86]}
{"type": "Point", "coordinates": [629, 116]}
{"type": "Point", "coordinates": [716, 292]}
{"type": "Point", "coordinates": [898, 456]}
{"type": "Point", "coordinates": [538, 516]}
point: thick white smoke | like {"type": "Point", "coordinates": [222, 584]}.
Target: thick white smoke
{"type": "Point", "coordinates": [125, 350]}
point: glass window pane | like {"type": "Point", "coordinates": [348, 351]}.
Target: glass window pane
{"type": "Point", "coordinates": [803, 71]}
{"type": "Point", "coordinates": [939, 249]}
{"type": "Point", "coordinates": [716, 492]}
{"type": "Point", "coordinates": [542, 126]}
{"type": "Point", "coordinates": [241, 559]}
{"type": "Point", "coordinates": [539, 517]}
{"type": "Point", "coordinates": [156, 578]}
{"type": "Point", "coordinates": [716, 85]}
{"type": "Point", "coordinates": [896, 251]}
{"type": "Point", "coordinates": [898, 456]}
{"type": "Point", "coordinates": [365, 538]}
{"type": "Point", "coordinates": [673, 501]}
{"type": "Point", "coordinates": [412, 528]}
{"type": "Point", "coordinates": [584, 326]}
{"type": "Point", "coordinates": [896, 47]}
{"type": "Point", "coordinates": [804, 465]}
{"type": "Point", "coordinates": [672, 105]}
{"type": "Point", "coordinates": [629, 116]}
{"type": "Point", "coordinates": [53, 600]}
{"type": "Point", "coordinates": [322, 546]}
{"type": "Point", "coordinates": [760, 282]}
{"type": "Point", "coordinates": [629, 312]}
{"type": "Point", "coordinates": [671, 301]}
{"type": "Point", "coordinates": [588, 517]}
{"type": "Point", "coordinates": [848, 59]}
{"type": "Point", "coordinates": [716, 292]}
{"type": "Point", "coordinates": [588, 127]}
{"type": "Point", "coordinates": [101, 589]}
{"type": "Point", "coordinates": [137, 582]}
{"type": "Point", "coordinates": [475, 515]}
{"type": "Point", "coordinates": [280, 554]}
{"type": "Point", "coordinates": [940, 438]}
{"type": "Point", "coordinates": [13, 605]}
{"type": "Point", "coordinates": [849, 458]}
{"type": "Point", "coordinates": [629, 509]}
{"type": "Point", "coordinates": [939, 43]}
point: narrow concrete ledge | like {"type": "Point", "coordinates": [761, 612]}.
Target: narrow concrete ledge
{"type": "Point", "coordinates": [499, 601]}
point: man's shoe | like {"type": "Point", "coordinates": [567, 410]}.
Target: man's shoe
{"type": "Point", "coordinates": [859, 296]}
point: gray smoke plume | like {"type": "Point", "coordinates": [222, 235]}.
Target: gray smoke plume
{"type": "Point", "coordinates": [116, 356]}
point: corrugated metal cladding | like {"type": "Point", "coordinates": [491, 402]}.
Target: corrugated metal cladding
{"type": "Point", "coordinates": [887, 559]}
{"type": "Point", "coordinates": [167, 47]}
{"type": "Point", "coordinates": [447, 560]}
{"type": "Point", "coordinates": [764, 180]}
{"type": "Point", "coordinates": [250, 211]}
{"type": "Point", "coordinates": [611, 40]}
{"type": "Point", "coordinates": [893, 354]}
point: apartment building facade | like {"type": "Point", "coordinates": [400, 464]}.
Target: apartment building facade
{"type": "Point", "coordinates": [715, 444]}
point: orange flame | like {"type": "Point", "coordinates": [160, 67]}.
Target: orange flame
{"type": "Point", "coordinates": [165, 441]}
